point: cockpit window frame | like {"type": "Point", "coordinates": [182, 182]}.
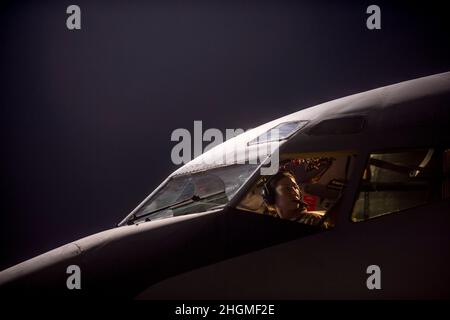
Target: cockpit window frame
{"type": "Point", "coordinates": [360, 178]}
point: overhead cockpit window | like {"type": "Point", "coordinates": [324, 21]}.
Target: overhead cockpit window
{"type": "Point", "coordinates": [305, 189]}
{"type": "Point", "coordinates": [280, 132]}
{"type": "Point", "coordinates": [348, 125]}
{"type": "Point", "coordinates": [196, 192]}
{"type": "Point", "coordinates": [395, 181]}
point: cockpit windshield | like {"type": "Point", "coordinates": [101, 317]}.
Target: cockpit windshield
{"type": "Point", "coordinates": [196, 192]}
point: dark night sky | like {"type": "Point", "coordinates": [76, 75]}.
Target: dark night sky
{"type": "Point", "coordinates": [86, 116]}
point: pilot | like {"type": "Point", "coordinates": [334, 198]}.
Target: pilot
{"type": "Point", "coordinates": [284, 199]}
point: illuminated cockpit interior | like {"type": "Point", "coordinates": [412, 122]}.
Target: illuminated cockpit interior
{"type": "Point", "coordinates": [321, 180]}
